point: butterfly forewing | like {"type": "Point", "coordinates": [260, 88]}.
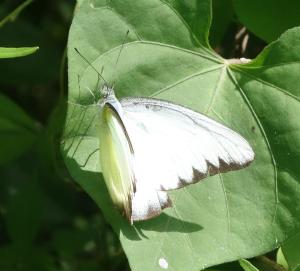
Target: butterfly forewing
{"type": "Point", "coordinates": [175, 146]}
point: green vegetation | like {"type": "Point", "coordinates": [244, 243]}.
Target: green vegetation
{"type": "Point", "coordinates": [55, 212]}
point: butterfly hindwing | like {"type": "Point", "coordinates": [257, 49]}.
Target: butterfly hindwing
{"type": "Point", "coordinates": [116, 160]}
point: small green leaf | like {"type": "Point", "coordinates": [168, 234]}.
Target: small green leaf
{"type": "Point", "coordinates": [17, 52]}
{"type": "Point", "coordinates": [17, 130]}
{"type": "Point", "coordinates": [280, 259]}
{"type": "Point", "coordinates": [247, 266]}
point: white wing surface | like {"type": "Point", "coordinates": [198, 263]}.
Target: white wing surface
{"type": "Point", "coordinates": [149, 146]}
{"type": "Point", "coordinates": [174, 146]}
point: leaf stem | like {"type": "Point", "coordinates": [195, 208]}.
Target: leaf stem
{"type": "Point", "coordinates": [272, 265]}
{"type": "Point", "coordinates": [15, 13]}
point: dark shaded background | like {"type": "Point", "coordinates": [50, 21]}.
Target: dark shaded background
{"type": "Point", "coordinates": [46, 221]}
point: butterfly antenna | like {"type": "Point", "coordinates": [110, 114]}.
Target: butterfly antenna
{"type": "Point", "coordinates": [119, 54]}
{"type": "Point", "coordinates": [88, 62]}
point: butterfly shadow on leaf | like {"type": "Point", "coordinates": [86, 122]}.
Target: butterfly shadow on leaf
{"type": "Point", "coordinates": [94, 185]}
{"type": "Point", "coordinates": [166, 223]}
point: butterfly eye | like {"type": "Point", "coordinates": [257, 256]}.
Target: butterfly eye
{"type": "Point", "coordinates": [106, 91]}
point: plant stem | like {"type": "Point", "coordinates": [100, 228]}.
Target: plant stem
{"type": "Point", "coordinates": [14, 14]}
{"type": "Point", "coordinates": [263, 260]}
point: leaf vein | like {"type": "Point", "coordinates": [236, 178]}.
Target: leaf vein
{"type": "Point", "coordinates": [226, 202]}
{"type": "Point", "coordinates": [215, 91]}
{"type": "Point", "coordinates": [189, 29]}
{"type": "Point", "coordinates": [243, 94]}
{"type": "Point", "coordinates": [211, 69]}
{"type": "Point", "coordinates": [270, 85]}
{"type": "Point", "coordinates": [186, 236]}
{"type": "Point", "coordinates": [237, 66]}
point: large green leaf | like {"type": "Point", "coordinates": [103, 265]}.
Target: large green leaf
{"type": "Point", "coordinates": [268, 19]}
{"type": "Point", "coordinates": [228, 216]}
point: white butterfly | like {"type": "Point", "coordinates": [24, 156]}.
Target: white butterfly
{"type": "Point", "coordinates": [149, 146]}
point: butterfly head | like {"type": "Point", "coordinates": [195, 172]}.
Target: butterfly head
{"type": "Point", "coordinates": [107, 93]}
{"type": "Point", "coordinates": [108, 97]}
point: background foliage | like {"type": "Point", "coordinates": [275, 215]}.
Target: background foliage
{"type": "Point", "coordinates": [47, 222]}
